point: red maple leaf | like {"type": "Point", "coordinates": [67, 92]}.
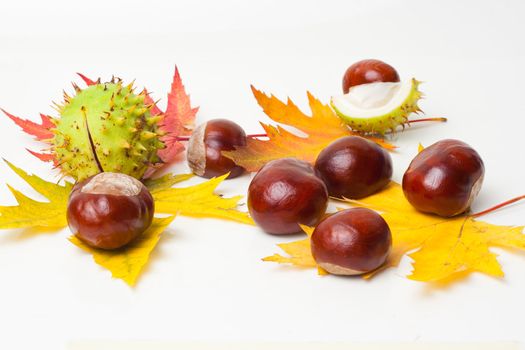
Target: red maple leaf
{"type": "Point", "coordinates": [179, 119]}
{"type": "Point", "coordinates": [45, 157]}
{"type": "Point", "coordinates": [40, 131]}
{"type": "Point", "coordinates": [88, 81]}
{"type": "Point", "coordinates": [155, 110]}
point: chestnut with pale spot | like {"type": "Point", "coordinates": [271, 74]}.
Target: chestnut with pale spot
{"type": "Point", "coordinates": [109, 210]}
{"type": "Point", "coordinates": [206, 145]}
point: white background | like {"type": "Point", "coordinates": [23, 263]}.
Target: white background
{"type": "Point", "coordinates": [205, 280]}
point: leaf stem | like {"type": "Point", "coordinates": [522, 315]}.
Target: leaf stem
{"type": "Point", "coordinates": [186, 138]}
{"type": "Point", "coordinates": [254, 136]}
{"type": "Point", "coordinates": [436, 119]}
{"type": "Point", "coordinates": [496, 207]}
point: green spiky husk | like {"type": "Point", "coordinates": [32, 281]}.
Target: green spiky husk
{"type": "Point", "coordinates": [386, 122]}
{"type": "Point", "coordinates": [106, 127]}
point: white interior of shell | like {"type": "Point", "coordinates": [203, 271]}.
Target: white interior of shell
{"type": "Point", "coordinates": [372, 100]}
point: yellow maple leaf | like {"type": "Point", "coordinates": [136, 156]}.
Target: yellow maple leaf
{"type": "Point", "coordinates": [32, 213]}
{"type": "Point", "coordinates": [199, 201]}
{"type": "Point", "coordinates": [128, 262]}
{"type": "Point", "coordinates": [322, 128]}
{"type": "Point", "coordinates": [166, 181]}
{"type": "Point", "coordinates": [299, 253]}
{"type": "Point", "coordinates": [440, 247]}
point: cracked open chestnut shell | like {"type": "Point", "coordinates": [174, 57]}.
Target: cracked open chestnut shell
{"type": "Point", "coordinates": [109, 210]}
{"type": "Point", "coordinates": [444, 178]}
{"type": "Point", "coordinates": [285, 193]}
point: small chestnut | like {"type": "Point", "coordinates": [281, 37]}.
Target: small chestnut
{"type": "Point", "coordinates": [206, 144]}
{"type": "Point", "coordinates": [284, 194]}
{"type": "Point", "coordinates": [354, 167]}
{"type": "Point", "coordinates": [109, 210]}
{"type": "Point", "coordinates": [444, 178]}
{"type": "Point", "coordinates": [369, 71]}
{"type": "Point", "coordinates": [351, 242]}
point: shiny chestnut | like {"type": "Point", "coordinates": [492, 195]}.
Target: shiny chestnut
{"type": "Point", "coordinates": [444, 178]}
{"type": "Point", "coordinates": [354, 167]}
{"type": "Point", "coordinates": [369, 71]}
{"type": "Point", "coordinates": [206, 144]}
{"type": "Point", "coordinates": [109, 210]}
{"type": "Point", "coordinates": [351, 242]}
{"type": "Point", "coordinates": [284, 194]}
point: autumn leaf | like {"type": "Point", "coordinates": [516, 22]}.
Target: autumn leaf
{"type": "Point", "coordinates": [443, 246]}
{"type": "Point", "coordinates": [127, 263]}
{"type": "Point", "coordinates": [196, 201]}
{"type": "Point", "coordinates": [323, 127]}
{"type": "Point", "coordinates": [32, 213]}
{"type": "Point", "coordinates": [199, 201]}
{"type": "Point", "coordinates": [88, 81]}
{"type": "Point", "coordinates": [166, 181]}
{"type": "Point", "coordinates": [179, 120]}
{"type": "Point", "coordinates": [41, 131]}
{"type": "Point", "coordinates": [440, 247]}
{"type": "Point", "coordinates": [299, 253]}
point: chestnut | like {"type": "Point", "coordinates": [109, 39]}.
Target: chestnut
{"type": "Point", "coordinates": [444, 178]}
{"type": "Point", "coordinates": [206, 144]}
{"type": "Point", "coordinates": [109, 210]}
{"type": "Point", "coordinates": [369, 71]}
{"type": "Point", "coordinates": [351, 242]}
{"type": "Point", "coordinates": [285, 193]}
{"type": "Point", "coordinates": [354, 167]}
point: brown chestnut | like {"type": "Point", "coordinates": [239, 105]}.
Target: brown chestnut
{"type": "Point", "coordinates": [351, 242]}
{"type": "Point", "coordinates": [368, 71]}
{"type": "Point", "coordinates": [354, 167]}
{"type": "Point", "coordinates": [109, 210]}
{"type": "Point", "coordinates": [444, 178]}
{"type": "Point", "coordinates": [206, 144]}
{"type": "Point", "coordinates": [284, 194]}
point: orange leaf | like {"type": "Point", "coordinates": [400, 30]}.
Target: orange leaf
{"type": "Point", "coordinates": [323, 127]}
